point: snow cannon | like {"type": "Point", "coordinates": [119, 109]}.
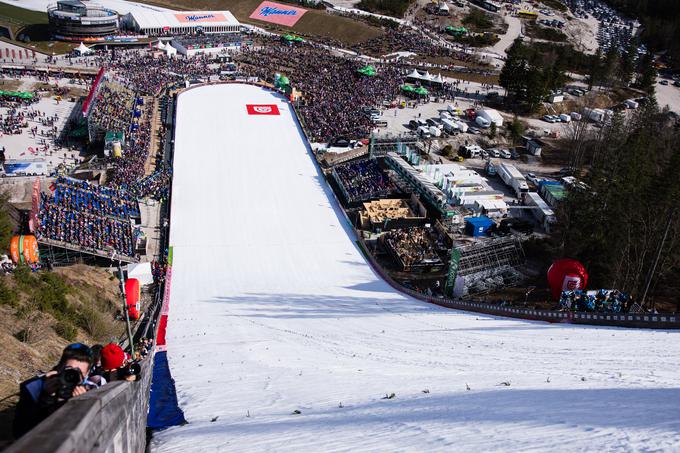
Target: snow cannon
{"type": "Point", "coordinates": [24, 249]}
{"type": "Point", "coordinates": [566, 275]}
{"type": "Point", "coordinates": [133, 295]}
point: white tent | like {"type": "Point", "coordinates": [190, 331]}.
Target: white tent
{"type": "Point", "coordinates": [160, 45]}
{"type": "Point", "coordinates": [425, 77]}
{"type": "Point", "coordinates": [142, 272]}
{"type": "Point", "coordinates": [170, 51]}
{"type": "Point", "coordinates": [83, 49]}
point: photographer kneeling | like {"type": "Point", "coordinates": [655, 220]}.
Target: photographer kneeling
{"type": "Point", "coordinates": [42, 395]}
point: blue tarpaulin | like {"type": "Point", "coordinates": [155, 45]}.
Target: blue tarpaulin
{"type": "Point", "coordinates": [164, 411]}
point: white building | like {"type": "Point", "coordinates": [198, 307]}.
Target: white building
{"type": "Point", "coordinates": [464, 187]}
{"type": "Point", "coordinates": [168, 23]}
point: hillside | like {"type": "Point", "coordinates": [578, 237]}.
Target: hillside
{"type": "Point", "coordinates": [42, 313]}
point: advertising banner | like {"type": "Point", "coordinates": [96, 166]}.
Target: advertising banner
{"type": "Point", "coordinates": [277, 13]}
{"type": "Point", "coordinates": [194, 18]}
{"type": "Point", "coordinates": [262, 109]}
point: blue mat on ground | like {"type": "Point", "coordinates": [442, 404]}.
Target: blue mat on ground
{"type": "Point", "coordinates": [164, 411]}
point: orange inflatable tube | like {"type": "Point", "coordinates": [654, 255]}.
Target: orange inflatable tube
{"type": "Point", "coordinates": [24, 249]}
{"type": "Point", "coordinates": [133, 294]}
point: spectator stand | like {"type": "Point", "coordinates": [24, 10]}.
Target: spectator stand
{"type": "Point", "coordinates": [362, 180]}
{"type": "Point", "coordinates": [414, 249]}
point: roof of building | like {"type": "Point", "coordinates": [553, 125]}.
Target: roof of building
{"type": "Point", "coordinates": [381, 210]}
{"type": "Point", "coordinates": [160, 19]}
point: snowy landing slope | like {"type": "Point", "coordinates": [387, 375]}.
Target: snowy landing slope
{"type": "Point", "coordinates": [273, 309]}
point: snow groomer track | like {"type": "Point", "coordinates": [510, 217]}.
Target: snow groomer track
{"type": "Point", "coordinates": [273, 311]}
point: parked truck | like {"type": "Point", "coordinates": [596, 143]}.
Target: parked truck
{"type": "Point", "coordinates": [513, 178]}
{"type": "Point", "coordinates": [28, 167]}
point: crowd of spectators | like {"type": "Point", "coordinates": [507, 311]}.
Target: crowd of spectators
{"type": "Point", "coordinates": [613, 301]}
{"type": "Point", "coordinates": [333, 92]}
{"type": "Point", "coordinates": [413, 247]}
{"type": "Point", "coordinates": [211, 40]}
{"type": "Point", "coordinates": [91, 232]}
{"type": "Point", "coordinates": [156, 185]}
{"type": "Point", "coordinates": [130, 169]}
{"type": "Point", "coordinates": [112, 107]}
{"type": "Point", "coordinates": [94, 199]}
{"type": "Point", "coordinates": [363, 180]}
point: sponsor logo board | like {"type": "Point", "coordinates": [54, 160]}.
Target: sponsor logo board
{"type": "Point", "coordinates": [200, 17]}
{"type": "Point", "coordinates": [262, 109]}
{"type": "Point", "coordinates": [277, 13]}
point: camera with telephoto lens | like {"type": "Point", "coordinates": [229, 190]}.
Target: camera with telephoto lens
{"type": "Point", "coordinates": [69, 378]}
{"type": "Point", "coordinates": [131, 369]}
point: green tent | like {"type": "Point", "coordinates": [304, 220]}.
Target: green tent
{"type": "Point", "coordinates": [298, 39]}
{"type": "Point", "coordinates": [289, 37]}
{"type": "Point", "coordinates": [367, 71]}
{"type": "Point", "coordinates": [421, 91]}
{"type": "Point", "coordinates": [17, 94]}
{"type": "Point", "coordinates": [456, 30]}
{"type": "Point", "coordinates": [407, 88]}
{"type": "Point", "coordinates": [284, 81]}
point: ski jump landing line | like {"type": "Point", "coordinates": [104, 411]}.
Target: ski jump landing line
{"type": "Point", "coordinates": [274, 310]}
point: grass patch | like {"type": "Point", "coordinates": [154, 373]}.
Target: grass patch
{"type": "Point", "coordinates": [478, 21]}
{"type": "Point", "coordinates": [17, 18]}
{"type": "Point", "coordinates": [535, 31]}
{"type": "Point", "coordinates": [555, 4]}
{"type": "Point", "coordinates": [33, 26]}
{"type": "Point", "coordinates": [479, 40]}
{"type": "Point", "coordinates": [395, 8]}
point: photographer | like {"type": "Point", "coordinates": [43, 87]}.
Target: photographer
{"type": "Point", "coordinates": [116, 366]}
{"type": "Point", "coordinates": [42, 395]}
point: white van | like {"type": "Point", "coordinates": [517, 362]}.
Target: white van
{"type": "Point", "coordinates": [424, 132]}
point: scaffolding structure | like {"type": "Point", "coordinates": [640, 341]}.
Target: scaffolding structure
{"type": "Point", "coordinates": [62, 253]}
{"type": "Point", "coordinates": [380, 146]}
{"type": "Point", "coordinates": [491, 254]}
{"type": "Point", "coordinates": [485, 266]}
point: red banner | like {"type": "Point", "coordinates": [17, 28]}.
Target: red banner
{"type": "Point", "coordinates": [35, 206]}
{"type": "Point", "coordinates": [262, 109]}
{"type": "Point", "coordinates": [90, 96]}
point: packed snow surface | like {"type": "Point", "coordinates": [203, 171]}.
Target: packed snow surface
{"type": "Point", "coordinates": [274, 310]}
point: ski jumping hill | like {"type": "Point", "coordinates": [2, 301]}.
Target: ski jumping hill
{"type": "Point", "coordinates": [282, 338]}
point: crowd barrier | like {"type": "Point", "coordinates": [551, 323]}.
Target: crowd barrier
{"type": "Point", "coordinates": [637, 320]}
{"type": "Point", "coordinates": [109, 419]}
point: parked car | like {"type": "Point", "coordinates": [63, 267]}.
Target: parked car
{"type": "Point", "coordinates": [532, 178]}
{"type": "Point", "coordinates": [505, 154]}
{"type": "Point", "coordinates": [514, 154]}
{"type": "Point", "coordinates": [663, 82]}
{"type": "Point", "coordinates": [493, 152]}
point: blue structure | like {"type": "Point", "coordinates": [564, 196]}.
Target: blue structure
{"type": "Point", "coordinates": [478, 226]}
